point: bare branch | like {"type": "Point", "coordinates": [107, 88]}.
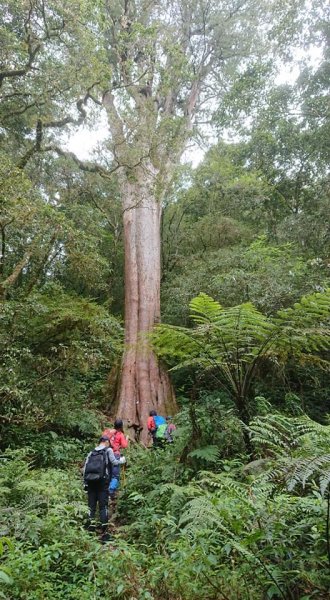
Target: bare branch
{"type": "Point", "coordinates": [84, 166]}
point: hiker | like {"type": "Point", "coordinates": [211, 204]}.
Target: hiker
{"type": "Point", "coordinates": [169, 430]}
{"type": "Point", "coordinates": [156, 427]}
{"type": "Point", "coordinates": [97, 474]}
{"type": "Point", "coordinates": [151, 425]}
{"type": "Point", "coordinates": [118, 441]}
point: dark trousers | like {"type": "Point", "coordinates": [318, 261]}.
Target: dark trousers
{"type": "Point", "coordinates": [98, 493]}
{"type": "Point", "coordinates": [158, 442]}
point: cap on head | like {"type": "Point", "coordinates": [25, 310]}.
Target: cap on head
{"type": "Point", "coordinates": [118, 424]}
{"type": "Point", "coordinates": [104, 438]}
{"type": "Point", "coordinates": [152, 413]}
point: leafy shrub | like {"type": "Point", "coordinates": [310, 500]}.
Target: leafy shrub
{"type": "Point", "coordinates": [230, 532]}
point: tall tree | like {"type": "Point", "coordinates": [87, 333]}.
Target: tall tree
{"type": "Point", "coordinates": [167, 63]}
{"type": "Point", "coordinates": [158, 68]}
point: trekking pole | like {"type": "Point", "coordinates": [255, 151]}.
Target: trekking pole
{"type": "Point", "coordinates": [124, 474]}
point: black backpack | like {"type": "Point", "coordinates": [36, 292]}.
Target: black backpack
{"type": "Point", "coordinates": [96, 467]}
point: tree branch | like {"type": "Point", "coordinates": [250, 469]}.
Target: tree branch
{"type": "Point", "coordinates": [84, 166]}
{"type": "Point", "coordinates": [11, 280]}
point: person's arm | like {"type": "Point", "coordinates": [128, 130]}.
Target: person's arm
{"type": "Point", "coordinates": [115, 461]}
{"type": "Point", "coordinates": [84, 467]}
{"type": "Point", "coordinates": [123, 441]}
{"type": "Point", "coordinates": [151, 424]}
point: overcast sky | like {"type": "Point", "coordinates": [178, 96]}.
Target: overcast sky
{"type": "Point", "coordinates": [86, 140]}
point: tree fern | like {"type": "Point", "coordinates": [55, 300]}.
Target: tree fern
{"type": "Point", "coordinates": [276, 433]}
{"type": "Point", "coordinates": [202, 513]}
{"type": "Point", "coordinates": [305, 328]}
{"type": "Point", "coordinates": [203, 309]}
{"type": "Point", "coordinates": [233, 341]}
{"type": "Point", "coordinates": [223, 483]}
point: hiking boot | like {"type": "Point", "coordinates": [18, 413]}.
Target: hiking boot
{"type": "Point", "coordinates": [91, 527]}
{"type": "Point", "coordinates": [106, 537]}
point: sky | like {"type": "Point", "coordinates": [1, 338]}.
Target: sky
{"type": "Point", "coordinates": [86, 140]}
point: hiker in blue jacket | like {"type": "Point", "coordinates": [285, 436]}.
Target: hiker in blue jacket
{"type": "Point", "coordinates": [156, 424]}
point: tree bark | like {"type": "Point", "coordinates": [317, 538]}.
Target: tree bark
{"type": "Point", "coordinates": [12, 278]}
{"type": "Point", "coordinates": [145, 384]}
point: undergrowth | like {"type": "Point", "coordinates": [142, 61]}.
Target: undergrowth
{"type": "Point", "coordinates": [212, 526]}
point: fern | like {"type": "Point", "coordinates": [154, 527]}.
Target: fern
{"type": "Point", "coordinates": [232, 342]}
{"type": "Point", "coordinates": [223, 483]}
{"type": "Point", "coordinates": [280, 434]}
{"type": "Point", "coordinates": [208, 453]}
{"type": "Point", "coordinates": [306, 326]}
{"type": "Point", "coordinates": [283, 437]}
{"type": "Point", "coordinates": [202, 513]}
{"type": "Point", "coordinates": [276, 433]}
{"type": "Point", "coordinates": [204, 309]}
{"type": "Point", "coordinates": [303, 469]}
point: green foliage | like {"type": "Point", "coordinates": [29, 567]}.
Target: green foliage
{"type": "Point", "coordinates": [299, 449]}
{"type": "Point", "coordinates": [234, 529]}
{"type": "Point", "coordinates": [235, 523]}
{"type": "Point", "coordinates": [318, 468]}
{"type": "Point", "coordinates": [199, 518]}
{"type": "Point", "coordinates": [209, 454]}
{"type": "Point", "coordinates": [271, 184]}
{"type": "Point", "coordinates": [233, 343]}
{"type": "Point", "coordinates": [56, 349]}
{"type": "Point", "coordinates": [52, 554]}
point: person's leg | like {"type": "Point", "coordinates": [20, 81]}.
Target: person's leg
{"type": "Point", "coordinates": [92, 501]}
{"type": "Point", "coordinates": [103, 497]}
{"type": "Point", "coordinates": [114, 483]}
{"type": "Point", "coordinates": [154, 440]}
{"type": "Point", "coordinates": [113, 487]}
{"type": "Point", "coordinates": [159, 443]}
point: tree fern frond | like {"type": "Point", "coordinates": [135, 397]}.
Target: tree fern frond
{"type": "Point", "coordinates": [204, 309]}
{"type": "Point", "coordinates": [307, 324]}
{"type": "Point", "coordinates": [173, 496]}
{"type": "Point", "coordinates": [224, 483]}
{"type": "Point", "coordinates": [303, 469]}
{"type": "Point", "coordinates": [174, 341]}
{"type": "Point", "coordinates": [202, 513]}
{"type": "Point", "coordinates": [275, 432]}
{"type": "Point", "coordinates": [233, 341]}
{"type": "Point", "coordinates": [325, 481]}
{"type": "Point", "coordinates": [207, 453]}
{"type": "Point", "coordinates": [263, 486]}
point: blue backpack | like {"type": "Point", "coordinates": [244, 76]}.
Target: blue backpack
{"type": "Point", "coordinates": [159, 420]}
{"type": "Point", "coordinates": [161, 427]}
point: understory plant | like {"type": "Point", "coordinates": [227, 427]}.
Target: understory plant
{"type": "Point", "coordinates": [222, 527]}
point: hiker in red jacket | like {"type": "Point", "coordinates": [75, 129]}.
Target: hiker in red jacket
{"type": "Point", "coordinates": [118, 441]}
{"type": "Point", "coordinates": [151, 425]}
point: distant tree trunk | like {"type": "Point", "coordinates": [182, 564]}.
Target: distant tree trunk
{"type": "Point", "coordinates": [145, 385]}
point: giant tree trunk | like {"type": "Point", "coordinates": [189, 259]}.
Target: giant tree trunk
{"type": "Point", "coordinates": [145, 385]}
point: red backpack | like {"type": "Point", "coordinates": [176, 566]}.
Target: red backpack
{"type": "Point", "coordinates": [112, 434]}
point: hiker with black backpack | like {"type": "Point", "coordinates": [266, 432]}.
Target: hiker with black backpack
{"type": "Point", "coordinates": [97, 474]}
